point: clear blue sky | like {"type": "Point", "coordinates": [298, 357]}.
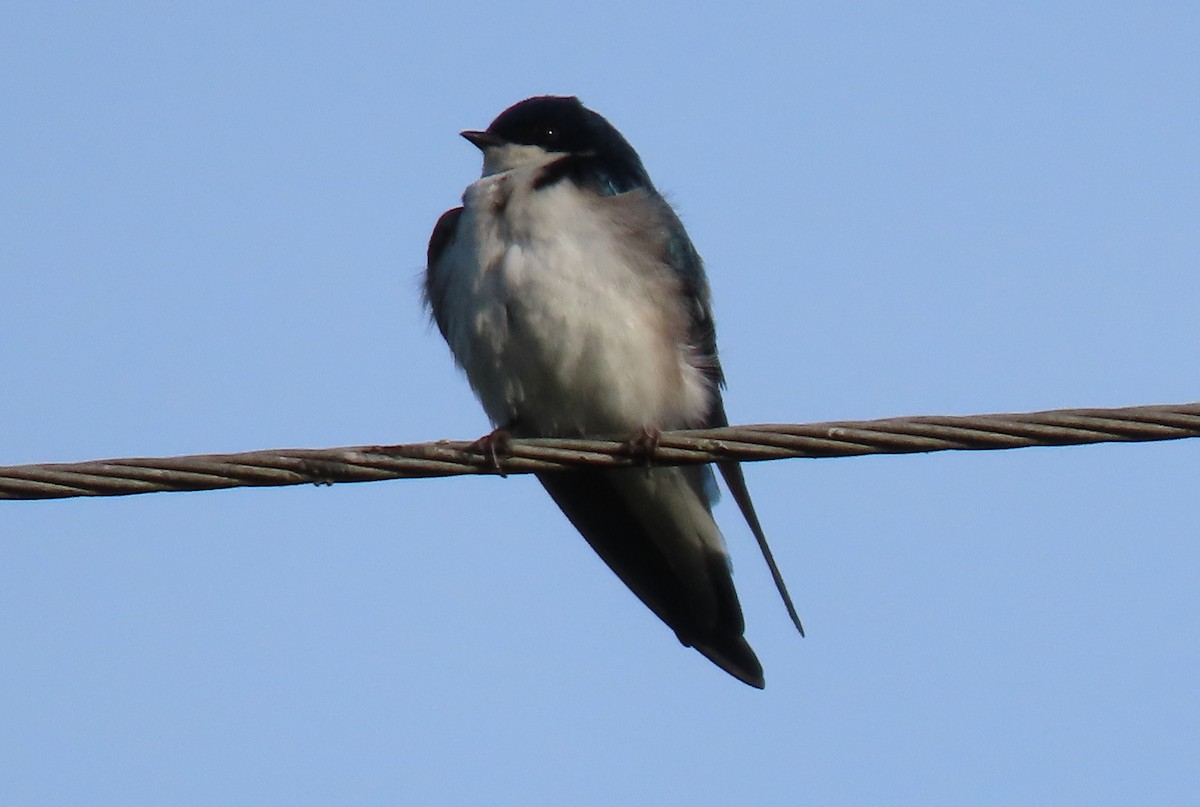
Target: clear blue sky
{"type": "Point", "coordinates": [212, 224]}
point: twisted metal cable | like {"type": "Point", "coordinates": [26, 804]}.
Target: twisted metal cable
{"type": "Point", "coordinates": [1061, 427]}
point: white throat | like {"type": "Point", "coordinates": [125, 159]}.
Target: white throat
{"type": "Point", "coordinates": [498, 159]}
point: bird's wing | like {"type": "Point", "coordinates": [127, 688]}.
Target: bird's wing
{"type": "Point", "coordinates": [653, 528]}
{"type": "Point", "coordinates": [443, 234]}
{"type": "Point", "coordinates": [682, 257]}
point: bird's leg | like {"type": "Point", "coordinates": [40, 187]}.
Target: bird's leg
{"type": "Point", "coordinates": [643, 444]}
{"type": "Point", "coordinates": [492, 445]}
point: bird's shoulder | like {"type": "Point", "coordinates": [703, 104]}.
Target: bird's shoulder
{"type": "Point", "coordinates": [443, 234]}
{"type": "Point", "coordinates": [441, 238]}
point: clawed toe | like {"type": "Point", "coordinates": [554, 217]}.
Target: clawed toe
{"type": "Point", "coordinates": [643, 444]}
{"type": "Point", "coordinates": [492, 446]}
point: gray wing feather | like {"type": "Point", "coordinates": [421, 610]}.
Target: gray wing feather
{"type": "Point", "coordinates": [681, 255]}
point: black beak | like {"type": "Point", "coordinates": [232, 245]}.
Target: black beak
{"type": "Point", "coordinates": [482, 140]}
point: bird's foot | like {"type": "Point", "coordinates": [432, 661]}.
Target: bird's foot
{"type": "Point", "coordinates": [643, 444]}
{"type": "Point", "coordinates": [492, 446]}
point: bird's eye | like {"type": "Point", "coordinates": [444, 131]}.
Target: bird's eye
{"type": "Point", "coordinates": [551, 134]}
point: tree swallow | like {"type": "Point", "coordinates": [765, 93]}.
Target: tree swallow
{"type": "Point", "coordinates": [572, 297]}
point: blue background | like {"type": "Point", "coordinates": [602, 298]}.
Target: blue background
{"type": "Point", "coordinates": [212, 228]}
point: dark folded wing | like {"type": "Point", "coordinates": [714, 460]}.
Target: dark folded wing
{"type": "Point", "coordinates": [649, 526]}
{"type": "Point", "coordinates": [443, 234]}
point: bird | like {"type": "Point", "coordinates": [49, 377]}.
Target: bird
{"type": "Point", "coordinates": [570, 294]}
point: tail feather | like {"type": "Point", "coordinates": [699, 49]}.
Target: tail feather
{"type": "Point", "coordinates": [736, 480]}
{"type": "Point", "coordinates": [654, 529]}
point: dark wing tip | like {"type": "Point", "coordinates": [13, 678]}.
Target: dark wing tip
{"type": "Point", "coordinates": [736, 481]}
{"type": "Point", "coordinates": [737, 658]}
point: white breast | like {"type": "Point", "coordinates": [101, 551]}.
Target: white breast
{"type": "Point", "coordinates": [560, 324]}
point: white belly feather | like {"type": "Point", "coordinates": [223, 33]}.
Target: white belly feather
{"type": "Point", "coordinates": [553, 324]}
